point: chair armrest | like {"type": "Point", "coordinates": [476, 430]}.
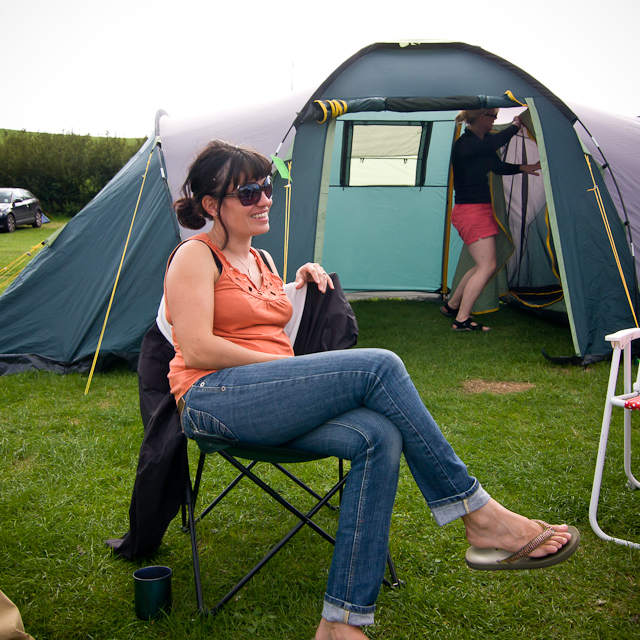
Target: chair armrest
{"type": "Point", "coordinates": [623, 338]}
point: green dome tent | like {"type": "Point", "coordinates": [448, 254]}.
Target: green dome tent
{"type": "Point", "coordinates": [370, 185]}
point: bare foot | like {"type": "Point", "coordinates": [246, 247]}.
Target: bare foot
{"type": "Point", "coordinates": [494, 527]}
{"type": "Point", "coordinates": [338, 631]}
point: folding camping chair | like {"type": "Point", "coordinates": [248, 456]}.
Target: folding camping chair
{"type": "Point", "coordinates": [276, 456]}
{"type": "Point", "coordinates": [628, 401]}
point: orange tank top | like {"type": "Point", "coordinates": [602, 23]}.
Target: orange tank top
{"type": "Point", "coordinates": [250, 317]}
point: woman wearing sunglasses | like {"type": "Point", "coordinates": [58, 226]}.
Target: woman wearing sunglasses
{"type": "Point", "coordinates": [473, 157]}
{"type": "Point", "coordinates": [234, 375]}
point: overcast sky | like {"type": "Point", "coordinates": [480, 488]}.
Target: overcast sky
{"type": "Point", "coordinates": [107, 67]}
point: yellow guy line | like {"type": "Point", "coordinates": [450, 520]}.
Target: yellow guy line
{"type": "Point", "coordinates": [115, 284]}
{"type": "Point", "coordinates": [287, 220]}
{"type": "Point", "coordinates": [5, 272]}
{"type": "Point", "coordinates": [596, 192]}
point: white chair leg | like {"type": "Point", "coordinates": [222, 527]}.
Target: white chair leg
{"type": "Point", "coordinates": [602, 451]}
{"type": "Point", "coordinates": [633, 482]}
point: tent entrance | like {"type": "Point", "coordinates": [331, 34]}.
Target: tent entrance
{"type": "Point", "coordinates": [529, 275]}
{"type": "Point", "coordinates": [386, 203]}
{"type": "Point", "coordinates": [532, 269]}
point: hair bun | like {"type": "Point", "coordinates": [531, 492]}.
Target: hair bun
{"type": "Point", "coordinates": [188, 214]}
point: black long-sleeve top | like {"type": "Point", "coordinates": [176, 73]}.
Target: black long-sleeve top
{"type": "Point", "coordinates": [473, 158]}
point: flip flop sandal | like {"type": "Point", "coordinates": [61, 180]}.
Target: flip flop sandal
{"type": "Point", "coordinates": [498, 559]}
{"type": "Point", "coordinates": [446, 310]}
{"type": "Point", "coordinates": [469, 325]}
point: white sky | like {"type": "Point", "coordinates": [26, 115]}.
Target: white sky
{"type": "Point", "coordinates": [107, 67]}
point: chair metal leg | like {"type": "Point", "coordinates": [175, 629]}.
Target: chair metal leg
{"type": "Point", "coordinates": [304, 519]}
{"type": "Point", "coordinates": [300, 483]}
{"type": "Point", "coordinates": [190, 505]}
{"type": "Point", "coordinates": [395, 581]}
{"type": "Point", "coordinates": [278, 498]}
{"type": "Point", "coordinates": [602, 448]}
{"type": "Point", "coordinates": [224, 492]}
{"type": "Point", "coordinates": [633, 482]}
{"type": "Point", "coordinates": [628, 388]}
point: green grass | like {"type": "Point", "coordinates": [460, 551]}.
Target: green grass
{"type": "Point", "coordinates": [15, 248]}
{"type": "Point", "coordinates": [67, 464]}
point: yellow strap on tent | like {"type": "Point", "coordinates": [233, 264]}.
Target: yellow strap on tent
{"type": "Point", "coordinates": [287, 220]}
{"type": "Point", "coordinates": [512, 97]}
{"type": "Point", "coordinates": [559, 293]}
{"type": "Point", "coordinates": [603, 213]}
{"type": "Point", "coordinates": [554, 263]}
{"type": "Point", "coordinates": [338, 108]}
{"type": "Point", "coordinates": [324, 110]}
{"type": "Point", "coordinates": [115, 284]}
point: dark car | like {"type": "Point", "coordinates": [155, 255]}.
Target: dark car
{"type": "Point", "coordinates": [19, 206]}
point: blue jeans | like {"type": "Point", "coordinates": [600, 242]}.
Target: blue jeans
{"type": "Point", "coordinates": [360, 405]}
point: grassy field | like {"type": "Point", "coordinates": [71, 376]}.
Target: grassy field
{"type": "Point", "coordinates": [67, 464]}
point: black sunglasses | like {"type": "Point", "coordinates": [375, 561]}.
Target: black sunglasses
{"type": "Point", "coordinates": [250, 193]}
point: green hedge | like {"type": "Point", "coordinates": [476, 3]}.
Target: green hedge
{"type": "Point", "coordinates": [65, 171]}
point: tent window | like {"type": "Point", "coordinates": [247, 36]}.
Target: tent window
{"type": "Point", "coordinates": [384, 154]}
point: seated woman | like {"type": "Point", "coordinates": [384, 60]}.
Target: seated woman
{"type": "Point", "coordinates": [234, 375]}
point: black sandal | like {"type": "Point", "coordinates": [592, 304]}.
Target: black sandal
{"type": "Point", "coordinates": [469, 325]}
{"type": "Point", "coordinates": [448, 311]}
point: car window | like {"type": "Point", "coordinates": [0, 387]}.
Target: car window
{"type": "Point", "coordinates": [5, 196]}
{"type": "Point", "coordinates": [28, 194]}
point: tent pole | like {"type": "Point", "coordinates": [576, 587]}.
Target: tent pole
{"type": "Point", "coordinates": [447, 223]}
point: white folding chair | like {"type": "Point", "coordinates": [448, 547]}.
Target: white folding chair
{"type": "Point", "coordinates": [628, 401]}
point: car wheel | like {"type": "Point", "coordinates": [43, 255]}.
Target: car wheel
{"type": "Point", "coordinates": [10, 223]}
{"type": "Point", "coordinates": [38, 221]}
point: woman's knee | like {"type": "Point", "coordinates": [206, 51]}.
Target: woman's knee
{"type": "Point", "coordinates": [371, 432]}
{"type": "Point", "coordinates": [385, 361]}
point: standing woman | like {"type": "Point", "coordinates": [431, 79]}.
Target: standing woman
{"type": "Point", "coordinates": [234, 375]}
{"type": "Point", "coordinates": [473, 157]}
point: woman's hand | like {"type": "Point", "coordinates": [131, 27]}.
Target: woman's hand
{"type": "Point", "coordinates": [313, 272]}
{"type": "Point", "coordinates": [531, 169]}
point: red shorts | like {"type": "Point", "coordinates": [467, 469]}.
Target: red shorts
{"type": "Point", "coordinates": [474, 221]}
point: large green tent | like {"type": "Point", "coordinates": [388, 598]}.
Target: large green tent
{"type": "Point", "coordinates": [370, 198]}
{"type": "Point", "coordinates": [371, 188]}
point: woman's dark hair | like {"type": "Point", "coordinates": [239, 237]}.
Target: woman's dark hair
{"type": "Point", "coordinates": [218, 165]}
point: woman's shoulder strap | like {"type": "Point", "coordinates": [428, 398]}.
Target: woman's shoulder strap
{"type": "Point", "coordinates": [265, 259]}
{"type": "Point", "coordinates": [201, 237]}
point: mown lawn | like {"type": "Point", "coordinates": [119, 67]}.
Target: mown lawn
{"type": "Point", "coordinates": [67, 463]}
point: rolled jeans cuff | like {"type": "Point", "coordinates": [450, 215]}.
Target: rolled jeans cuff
{"type": "Point", "coordinates": [450, 509]}
{"type": "Point", "coordinates": [338, 611]}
